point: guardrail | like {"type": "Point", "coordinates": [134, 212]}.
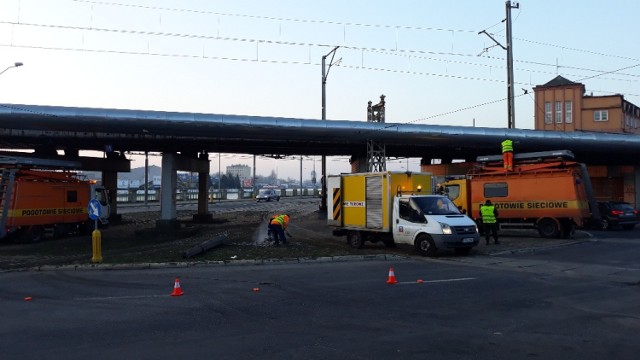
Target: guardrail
{"type": "Point", "coordinates": [135, 196]}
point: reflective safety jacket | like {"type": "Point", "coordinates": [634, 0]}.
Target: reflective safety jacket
{"type": "Point", "coordinates": [282, 220]}
{"type": "Point", "coordinates": [507, 146]}
{"type": "Point", "coordinates": [488, 214]}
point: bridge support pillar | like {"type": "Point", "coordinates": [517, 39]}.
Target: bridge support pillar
{"type": "Point", "coordinates": [203, 214]}
{"type": "Point", "coordinates": [110, 182]}
{"type": "Point", "coordinates": [169, 176]}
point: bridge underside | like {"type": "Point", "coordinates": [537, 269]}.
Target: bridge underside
{"type": "Point", "coordinates": [185, 138]}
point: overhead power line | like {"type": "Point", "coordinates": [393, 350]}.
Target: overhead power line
{"type": "Point", "coordinates": [577, 50]}
{"type": "Point", "coordinates": [417, 54]}
{"type": "Point", "coordinates": [330, 22]}
{"type": "Point", "coordinates": [262, 17]}
{"type": "Point", "coordinates": [409, 53]}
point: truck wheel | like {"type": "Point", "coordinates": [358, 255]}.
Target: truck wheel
{"type": "Point", "coordinates": [354, 239]}
{"type": "Point", "coordinates": [35, 234]}
{"type": "Point", "coordinates": [425, 246]}
{"type": "Point", "coordinates": [548, 228]}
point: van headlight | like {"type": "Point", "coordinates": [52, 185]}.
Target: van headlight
{"type": "Point", "coordinates": [446, 229]}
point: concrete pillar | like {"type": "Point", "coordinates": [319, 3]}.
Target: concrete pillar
{"type": "Point", "coordinates": [168, 213]}
{"type": "Point", "coordinates": [203, 206]}
{"type": "Point", "coordinates": [110, 182]}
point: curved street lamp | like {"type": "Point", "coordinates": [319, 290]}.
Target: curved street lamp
{"type": "Point", "coordinates": [17, 64]}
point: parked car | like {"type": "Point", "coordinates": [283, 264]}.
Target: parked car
{"type": "Point", "coordinates": [618, 213]}
{"type": "Point", "coordinates": [267, 195]}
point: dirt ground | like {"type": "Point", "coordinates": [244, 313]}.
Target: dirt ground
{"type": "Point", "coordinates": [136, 240]}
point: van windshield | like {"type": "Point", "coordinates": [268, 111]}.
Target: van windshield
{"type": "Point", "coordinates": [435, 205]}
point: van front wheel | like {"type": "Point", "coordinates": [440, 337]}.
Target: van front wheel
{"type": "Point", "coordinates": [425, 246]}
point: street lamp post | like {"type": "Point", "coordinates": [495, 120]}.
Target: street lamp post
{"type": "Point", "coordinates": [325, 73]}
{"type": "Point", "coordinates": [18, 64]}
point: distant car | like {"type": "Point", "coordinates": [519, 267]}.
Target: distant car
{"type": "Point", "coordinates": [267, 195]}
{"type": "Point", "coordinates": [618, 213]}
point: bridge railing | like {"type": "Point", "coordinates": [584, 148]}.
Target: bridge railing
{"type": "Point", "coordinates": [135, 196]}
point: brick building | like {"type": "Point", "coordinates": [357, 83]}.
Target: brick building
{"type": "Point", "coordinates": [562, 105]}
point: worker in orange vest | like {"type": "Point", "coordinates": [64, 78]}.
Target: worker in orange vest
{"type": "Point", "coordinates": [278, 227]}
{"type": "Point", "coordinates": [507, 154]}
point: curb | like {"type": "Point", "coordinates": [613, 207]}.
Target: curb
{"type": "Point", "coordinates": [182, 265]}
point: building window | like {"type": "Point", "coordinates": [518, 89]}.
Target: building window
{"type": "Point", "coordinates": [558, 112]}
{"type": "Point", "coordinates": [72, 196]}
{"type": "Point", "coordinates": [568, 112]}
{"type": "Point", "coordinates": [601, 115]}
{"type": "Point", "coordinates": [500, 189]}
{"type": "Point", "coordinates": [547, 112]}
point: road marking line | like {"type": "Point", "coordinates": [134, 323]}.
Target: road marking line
{"type": "Point", "coordinates": [435, 281]}
{"type": "Point", "coordinates": [121, 297]}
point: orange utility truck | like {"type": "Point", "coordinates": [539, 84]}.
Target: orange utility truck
{"type": "Point", "coordinates": [548, 191]}
{"type": "Point", "coordinates": [36, 200]}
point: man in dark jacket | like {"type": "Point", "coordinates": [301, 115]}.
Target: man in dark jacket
{"type": "Point", "coordinates": [490, 221]}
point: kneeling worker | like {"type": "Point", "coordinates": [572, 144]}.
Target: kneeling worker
{"type": "Point", "coordinates": [278, 227]}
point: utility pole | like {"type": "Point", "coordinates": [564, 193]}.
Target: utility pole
{"type": "Point", "coordinates": [509, 48]}
{"type": "Point", "coordinates": [253, 181]}
{"type": "Point", "coordinates": [510, 93]}
{"type": "Point", "coordinates": [325, 73]}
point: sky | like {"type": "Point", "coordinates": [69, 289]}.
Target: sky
{"type": "Point", "coordinates": [263, 58]}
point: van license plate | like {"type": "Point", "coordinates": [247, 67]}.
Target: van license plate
{"type": "Point", "coordinates": [468, 240]}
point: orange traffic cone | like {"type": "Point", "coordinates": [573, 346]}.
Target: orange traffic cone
{"type": "Point", "coordinates": [177, 290]}
{"type": "Point", "coordinates": [392, 277]}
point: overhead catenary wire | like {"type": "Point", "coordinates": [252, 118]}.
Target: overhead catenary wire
{"type": "Point", "coordinates": [202, 56]}
{"type": "Point", "coordinates": [413, 53]}
{"type": "Point", "coordinates": [330, 22]}
{"type": "Point", "coordinates": [396, 52]}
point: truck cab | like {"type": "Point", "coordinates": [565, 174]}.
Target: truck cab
{"type": "Point", "coordinates": [431, 222]}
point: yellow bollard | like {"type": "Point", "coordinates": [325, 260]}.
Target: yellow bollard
{"type": "Point", "coordinates": [96, 241]}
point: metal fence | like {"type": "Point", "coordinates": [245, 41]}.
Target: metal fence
{"type": "Point", "coordinates": [134, 196]}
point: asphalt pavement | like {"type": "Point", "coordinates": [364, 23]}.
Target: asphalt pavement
{"type": "Point", "coordinates": [317, 310]}
{"type": "Point", "coordinates": [525, 298]}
